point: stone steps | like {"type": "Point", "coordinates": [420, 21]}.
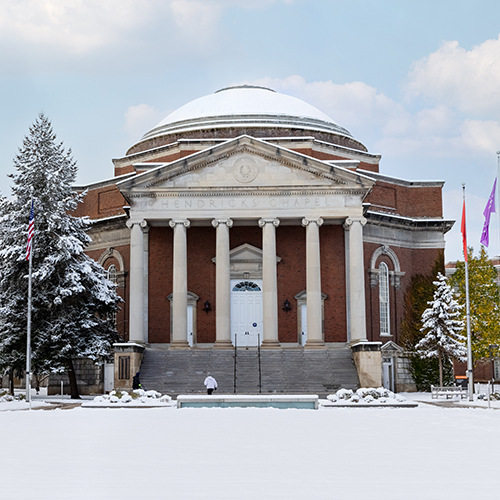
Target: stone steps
{"type": "Point", "coordinates": [285, 371]}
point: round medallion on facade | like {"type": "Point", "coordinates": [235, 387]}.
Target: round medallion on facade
{"type": "Point", "coordinates": [245, 170]}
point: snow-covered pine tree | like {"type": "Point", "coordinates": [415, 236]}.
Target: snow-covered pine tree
{"type": "Point", "coordinates": [442, 329]}
{"type": "Point", "coordinates": [72, 297]}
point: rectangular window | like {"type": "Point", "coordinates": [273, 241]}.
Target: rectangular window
{"type": "Point", "coordinates": [124, 367]}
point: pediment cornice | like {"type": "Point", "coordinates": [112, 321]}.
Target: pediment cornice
{"type": "Point", "coordinates": [336, 177]}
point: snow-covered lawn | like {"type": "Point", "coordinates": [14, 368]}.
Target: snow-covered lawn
{"type": "Point", "coordinates": [332, 453]}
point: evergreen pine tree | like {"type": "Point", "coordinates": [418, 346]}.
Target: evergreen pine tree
{"type": "Point", "coordinates": [420, 291]}
{"type": "Point", "coordinates": [72, 297]}
{"type": "Point", "coordinates": [443, 329]}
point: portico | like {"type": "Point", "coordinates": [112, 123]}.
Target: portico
{"type": "Point", "coordinates": [246, 183]}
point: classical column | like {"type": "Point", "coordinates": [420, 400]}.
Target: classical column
{"type": "Point", "coordinates": [269, 283]}
{"type": "Point", "coordinates": [355, 273]}
{"type": "Point", "coordinates": [145, 235]}
{"type": "Point", "coordinates": [313, 284]}
{"type": "Point", "coordinates": [137, 312]}
{"type": "Point", "coordinates": [179, 295]}
{"type": "Point", "coordinates": [222, 285]}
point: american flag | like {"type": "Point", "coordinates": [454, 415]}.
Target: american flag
{"type": "Point", "coordinates": [31, 230]}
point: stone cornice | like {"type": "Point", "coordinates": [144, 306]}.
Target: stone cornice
{"type": "Point", "coordinates": [377, 218]}
{"type": "Point", "coordinates": [235, 192]}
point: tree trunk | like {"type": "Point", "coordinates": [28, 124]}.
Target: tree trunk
{"type": "Point", "coordinates": [73, 386]}
{"type": "Point", "coordinates": [440, 370]}
{"type": "Point", "coordinates": [11, 382]}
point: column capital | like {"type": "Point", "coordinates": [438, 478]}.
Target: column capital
{"type": "Point", "coordinates": [173, 222]}
{"type": "Point", "coordinates": [142, 223]}
{"type": "Point", "coordinates": [227, 222]}
{"type": "Point", "coordinates": [351, 220]}
{"type": "Point", "coordinates": [306, 221]}
{"type": "Point", "coordinates": [275, 222]}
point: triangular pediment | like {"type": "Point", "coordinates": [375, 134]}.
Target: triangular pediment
{"type": "Point", "coordinates": [246, 163]}
{"type": "Point", "coordinates": [246, 253]}
{"type": "Point", "coordinates": [391, 346]}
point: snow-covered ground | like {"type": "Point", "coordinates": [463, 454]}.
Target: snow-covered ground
{"type": "Point", "coordinates": [334, 453]}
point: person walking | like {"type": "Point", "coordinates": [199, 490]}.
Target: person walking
{"type": "Point", "coordinates": [210, 383]}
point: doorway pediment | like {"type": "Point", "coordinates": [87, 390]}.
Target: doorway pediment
{"type": "Point", "coordinates": [245, 261]}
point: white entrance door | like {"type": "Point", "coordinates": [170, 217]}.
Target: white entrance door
{"type": "Point", "coordinates": [246, 312]}
{"type": "Point", "coordinates": [388, 375]}
{"type": "Point", "coordinates": [190, 325]}
{"type": "Point", "coordinates": [109, 377]}
{"type": "Point", "coordinates": [303, 321]}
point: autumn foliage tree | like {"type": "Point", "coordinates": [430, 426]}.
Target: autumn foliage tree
{"type": "Point", "coordinates": [484, 298]}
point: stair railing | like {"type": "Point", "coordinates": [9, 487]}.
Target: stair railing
{"type": "Point", "coordinates": [258, 356]}
{"type": "Point", "coordinates": [235, 360]}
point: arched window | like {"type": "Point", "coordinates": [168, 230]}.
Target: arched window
{"type": "Point", "coordinates": [112, 277]}
{"type": "Point", "coordinates": [112, 273]}
{"type": "Point", "coordinates": [246, 286]}
{"type": "Point", "coordinates": [383, 287]}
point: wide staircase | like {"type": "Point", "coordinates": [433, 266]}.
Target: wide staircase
{"type": "Point", "coordinates": [250, 371]}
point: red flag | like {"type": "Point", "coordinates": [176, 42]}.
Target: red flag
{"type": "Point", "coordinates": [464, 233]}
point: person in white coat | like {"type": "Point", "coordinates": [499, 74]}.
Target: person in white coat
{"type": "Point", "coordinates": [210, 383]}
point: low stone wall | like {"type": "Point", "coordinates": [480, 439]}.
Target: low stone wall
{"type": "Point", "coordinates": [89, 377]}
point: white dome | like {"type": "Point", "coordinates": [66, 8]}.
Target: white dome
{"type": "Point", "coordinates": [246, 106]}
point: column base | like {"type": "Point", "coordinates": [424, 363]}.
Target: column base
{"type": "Point", "coordinates": [314, 344]}
{"type": "Point", "coordinates": [179, 344]}
{"type": "Point", "coordinates": [223, 344]}
{"type": "Point", "coordinates": [270, 344]}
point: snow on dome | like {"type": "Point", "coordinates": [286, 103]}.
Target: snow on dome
{"type": "Point", "coordinates": [246, 106]}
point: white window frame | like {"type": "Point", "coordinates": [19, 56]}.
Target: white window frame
{"type": "Point", "coordinates": [384, 310]}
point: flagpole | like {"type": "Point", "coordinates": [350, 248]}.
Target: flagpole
{"type": "Point", "coordinates": [498, 198]}
{"type": "Point", "coordinates": [28, 336]}
{"type": "Point", "coordinates": [470, 375]}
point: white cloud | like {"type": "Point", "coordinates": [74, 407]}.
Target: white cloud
{"type": "Point", "coordinates": [141, 118]}
{"type": "Point", "coordinates": [466, 79]}
{"type": "Point", "coordinates": [79, 26]}
{"type": "Point", "coordinates": [452, 203]}
{"type": "Point", "coordinates": [71, 26]}
{"type": "Point", "coordinates": [351, 105]}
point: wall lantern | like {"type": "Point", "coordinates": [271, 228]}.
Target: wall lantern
{"type": "Point", "coordinates": [206, 307]}
{"type": "Point", "coordinates": [286, 306]}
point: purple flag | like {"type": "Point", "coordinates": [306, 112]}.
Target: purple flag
{"type": "Point", "coordinates": [490, 208]}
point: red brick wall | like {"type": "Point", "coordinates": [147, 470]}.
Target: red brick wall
{"type": "Point", "coordinates": [122, 290]}
{"type": "Point", "coordinates": [291, 271]}
{"type": "Point", "coordinates": [160, 283]}
{"type": "Point", "coordinates": [321, 155]}
{"type": "Point", "coordinates": [407, 201]}
{"type": "Point", "coordinates": [412, 261]}
{"type": "Point", "coordinates": [102, 202]}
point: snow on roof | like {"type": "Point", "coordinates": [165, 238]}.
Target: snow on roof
{"type": "Point", "coordinates": [246, 106]}
{"type": "Point", "coordinates": [245, 100]}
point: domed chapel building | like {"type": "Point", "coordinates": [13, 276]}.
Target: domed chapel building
{"type": "Point", "coordinates": [250, 218]}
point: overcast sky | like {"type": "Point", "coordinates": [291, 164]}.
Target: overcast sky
{"type": "Point", "coordinates": [416, 81]}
